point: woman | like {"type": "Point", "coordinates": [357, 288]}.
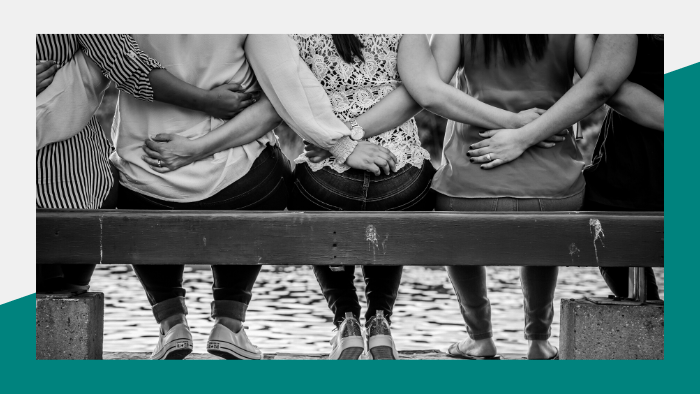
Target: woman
{"type": "Point", "coordinates": [511, 72]}
{"type": "Point", "coordinates": [361, 78]}
{"type": "Point", "coordinates": [627, 173]}
{"type": "Point", "coordinates": [72, 158]}
{"type": "Point", "coordinates": [234, 165]}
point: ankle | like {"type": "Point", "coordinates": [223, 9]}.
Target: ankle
{"type": "Point", "coordinates": [232, 324]}
{"type": "Point", "coordinates": [172, 321]}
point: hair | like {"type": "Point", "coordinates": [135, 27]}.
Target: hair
{"type": "Point", "coordinates": [513, 46]}
{"type": "Point", "coordinates": [349, 47]}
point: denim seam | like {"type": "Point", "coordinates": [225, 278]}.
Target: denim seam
{"type": "Point", "coordinates": [406, 185]}
{"type": "Point", "coordinates": [313, 199]}
{"type": "Point", "coordinates": [332, 189]}
{"type": "Point", "coordinates": [413, 202]}
{"type": "Point", "coordinates": [274, 189]}
{"type": "Point", "coordinates": [249, 191]}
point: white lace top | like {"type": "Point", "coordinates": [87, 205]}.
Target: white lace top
{"type": "Point", "coordinates": [355, 88]}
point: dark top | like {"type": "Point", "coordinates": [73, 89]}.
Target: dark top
{"type": "Point", "coordinates": [628, 161]}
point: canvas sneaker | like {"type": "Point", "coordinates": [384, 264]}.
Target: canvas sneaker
{"type": "Point", "coordinates": [175, 344]}
{"type": "Point", "coordinates": [380, 345]}
{"type": "Point", "coordinates": [231, 345]}
{"type": "Point", "coordinates": [347, 344]}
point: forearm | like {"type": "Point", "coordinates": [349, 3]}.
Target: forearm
{"type": "Point", "coordinates": [451, 103]}
{"type": "Point", "coordinates": [611, 62]}
{"type": "Point", "coordinates": [639, 105]}
{"type": "Point", "coordinates": [251, 124]}
{"type": "Point", "coordinates": [391, 112]}
{"type": "Point", "coordinates": [169, 89]}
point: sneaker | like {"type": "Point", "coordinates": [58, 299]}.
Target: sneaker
{"type": "Point", "coordinates": [347, 344]}
{"type": "Point", "coordinates": [231, 345]}
{"type": "Point", "coordinates": [175, 344]}
{"type": "Point", "coordinates": [380, 345]}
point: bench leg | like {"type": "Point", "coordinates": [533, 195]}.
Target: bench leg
{"type": "Point", "coordinates": [69, 328]}
{"type": "Point", "coordinates": [591, 331]}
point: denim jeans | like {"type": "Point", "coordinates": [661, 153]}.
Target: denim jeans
{"type": "Point", "coordinates": [264, 187]}
{"type": "Point", "coordinates": [406, 190]}
{"type": "Point", "coordinates": [617, 277]}
{"type": "Point", "coordinates": [538, 283]}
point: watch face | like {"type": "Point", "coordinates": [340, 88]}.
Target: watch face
{"type": "Point", "coordinates": [357, 133]}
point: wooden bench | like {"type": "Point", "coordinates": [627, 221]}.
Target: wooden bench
{"type": "Point", "coordinates": [586, 239]}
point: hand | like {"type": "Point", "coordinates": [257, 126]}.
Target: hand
{"type": "Point", "coordinates": [226, 101]}
{"type": "Point", "coordinates": [314, 153]}
{"type": "Point", "coordinates": [551, 141]}
{"type": "Point", "coordinates": [524, 117]}
{"type": "Point", "coordinates": [168, 152]}
{"type": "Point", "coordinates": [499, 147]}
{"type": "Point", "coordinates": [371, 157]}
{"type": "Point", "coordinates": [45, 70]}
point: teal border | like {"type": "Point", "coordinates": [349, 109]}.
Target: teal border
{"type": "Point", "coordinates": [22, 373]}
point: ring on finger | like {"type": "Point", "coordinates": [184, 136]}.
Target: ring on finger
{"type": "Point", "coordinates": [488, 157]}
{"type": "Point", "coordinates": [159, 164]}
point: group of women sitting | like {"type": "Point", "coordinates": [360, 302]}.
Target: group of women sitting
{"type": "Point", "coordinates": [195, 132]}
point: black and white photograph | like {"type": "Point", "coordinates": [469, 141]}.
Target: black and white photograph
{"type": "Point", "coordinates": [349, 196]}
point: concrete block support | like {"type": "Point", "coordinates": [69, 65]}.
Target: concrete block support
{"type": "Point", "coordinates": [611, 332]}
{"type": "Point", "coordinates": [69, 328]}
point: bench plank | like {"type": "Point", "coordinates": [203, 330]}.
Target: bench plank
{"type": "Point", "coordinates": [347, 238]}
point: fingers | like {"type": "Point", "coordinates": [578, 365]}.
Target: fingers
{"type": "Point", "coordinates": [152, 153]}
{"type": "Point", "coordinates": [477, 152]}
{"type": "Point", "coordinates": [538, 111]}
{"type": "Point", "coordinates": [488, 134]}
{"type": "Point", "coordinates": [480, 159]}
{"type": "Point", "coordinates": [383, 164]}
{"type": "Point", "coordinates": [555, 138]}
{"type": "Point", "coordinates": [247, 103]}
{"type": "Point", "coordinates": [162, 137]}
{"type": "Point", "coordinates": [151, 162]}
{"type": "Point", "coordinates": [162, 170]}
{"type": "Point", "coordinates": [234, 87]}
{"type": "Point", "coordinates": [42, 66]}
{"type": "Point", "coordinates": [480, 144]}
{"type": "Point", "coordinates": [493, 164]}
{"type": "Point", "coordinates": [371, 167]}
{"type": "Point", "coordinates": [545, 144]}
{"type": "Point", "coordinates": [154, 146]}
{"type": "Point", "coordinates": [563, 132]}
{"type": "Point", "coordinates": [45, 83]}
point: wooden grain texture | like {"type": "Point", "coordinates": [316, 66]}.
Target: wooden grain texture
{"type": "Point", "coordinates": [346, 238]}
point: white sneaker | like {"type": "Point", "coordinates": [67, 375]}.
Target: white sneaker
{"type": "Point", "coordinates": [380, 344]}
{"type": "Point", "coordinates": [230, 345]}
{"type": "Point", "coordinates": [347, 344]}
{"type": "Point", "coordinates": [175, 344]}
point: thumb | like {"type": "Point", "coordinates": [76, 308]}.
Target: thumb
{"type": "Point", "coordinates": [162, 137]}
{"type": "Point", "coordinates": [488, 134]}
{"type": "Point", "coordinates": [234, 87]}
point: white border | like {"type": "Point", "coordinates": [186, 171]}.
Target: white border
{"type": "Point", "coordinates": [675, 18]}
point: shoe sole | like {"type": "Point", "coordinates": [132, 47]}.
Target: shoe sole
{"type": "Point", "coordinates": [228, 351]}
{"type": "Point", "coordinates": [381, 347]}
{"type": "Point", "coordinates": [382, 353]}
{"type": "Point", "coordinates": [178, 350]}
{"type": "Point", "coordinates": [351, 353]}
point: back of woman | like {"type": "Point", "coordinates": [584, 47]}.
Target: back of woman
{"type": "Point", "coordinates": [539, 81]}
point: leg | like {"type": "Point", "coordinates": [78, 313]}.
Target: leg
{"type": "Point", "coordinates": [339, 290]}
{"type": "Point", "coordinates": [382, 288]}
{"type": "Point", "coordinates": [616, 279]}
{"type": "Point", "coordinates": [538, 284]}
{"type": "Point", "coordinates": [233, 290]}
{"type": "Point", "coordinates": [163, 286]}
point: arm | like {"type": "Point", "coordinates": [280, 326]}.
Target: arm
{"type": "Point", "coordinates": [427, 77]}
{"type": "Point", "coordinates": [631, 100]}
{"type": "Point", "coordinates": [134, 72]}
{"type": "Point", "coordinates": [303, 104]}
{"type": "Point", "coordinates": [175, 151]}
{"type": "Point", "coordinates": [45, 71]}
{"type": "Point", "coordinates": [611, 62]}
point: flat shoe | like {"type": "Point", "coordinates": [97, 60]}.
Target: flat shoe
{"type": "Point", "coordinates": [454, 352]}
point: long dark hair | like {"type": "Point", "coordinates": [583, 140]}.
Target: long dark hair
{"type": "Point", "coordinates": [514, 46]}
{"type": "Point", "coordinates": [348, 46]}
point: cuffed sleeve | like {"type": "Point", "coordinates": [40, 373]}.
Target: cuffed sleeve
{"type": "Point", "coordinates": [296, 94]}
{"type": "Point", "coordinates": [122, 62]}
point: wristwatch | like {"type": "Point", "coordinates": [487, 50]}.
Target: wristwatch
{"type": "Point", "coordinates": [356, 131]}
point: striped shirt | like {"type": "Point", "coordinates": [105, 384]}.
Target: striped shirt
{"type": "Point", "coordinates": [76, 173]}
